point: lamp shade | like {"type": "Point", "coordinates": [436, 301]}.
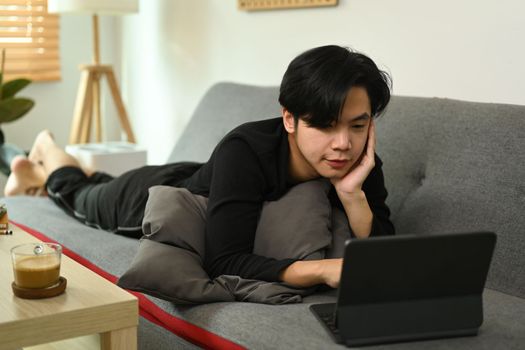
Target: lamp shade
{"type": "Point", "coordinates": [102, 7]}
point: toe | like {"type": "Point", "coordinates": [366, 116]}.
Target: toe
{"type": "Point", "coordinates": [19, 162]}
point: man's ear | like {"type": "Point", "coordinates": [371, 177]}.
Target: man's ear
{"type": "Point", "coordinates": [288, 121]}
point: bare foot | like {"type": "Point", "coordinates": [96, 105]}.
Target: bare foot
{"type": "Point", "coordinates": [44, 139]}
{"type": "Point", "coordinates": [26, 178]}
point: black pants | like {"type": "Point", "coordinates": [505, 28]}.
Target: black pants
{"type": "Point", "coordinates": [109, 203]}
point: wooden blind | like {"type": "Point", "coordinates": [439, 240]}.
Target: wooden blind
{"type": "Point", "coordinates": [30, 37]}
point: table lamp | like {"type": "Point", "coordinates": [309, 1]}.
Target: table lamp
{"type": "Point", "coordinates": [88, 98]}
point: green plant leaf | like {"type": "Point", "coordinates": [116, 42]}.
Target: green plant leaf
{"type": "Point", "coordinates": [13, 108]}
{"type": "Point", "coordinates": [10, 88]}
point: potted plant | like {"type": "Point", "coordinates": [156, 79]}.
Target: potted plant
{"type": "Point", "coordinates": [11, 108]}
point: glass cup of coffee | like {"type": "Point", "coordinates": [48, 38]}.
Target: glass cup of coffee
{"type": "Point", "coordinates": [36, 265]}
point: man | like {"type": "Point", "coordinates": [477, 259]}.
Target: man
{"type": "Point", "coordinates": [329, 97]}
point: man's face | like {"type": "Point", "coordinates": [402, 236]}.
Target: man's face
{"type": "Point", "coordinates": [330, 152]}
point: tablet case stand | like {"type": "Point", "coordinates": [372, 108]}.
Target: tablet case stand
{"type": "Point", "coordinates": [411, 319]}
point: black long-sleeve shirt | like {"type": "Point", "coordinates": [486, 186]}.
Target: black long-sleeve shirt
{"type": "Point", "coordinates": [248, 167]}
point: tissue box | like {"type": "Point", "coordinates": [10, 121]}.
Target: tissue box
{"type": "Point", "coordinates": [114, 157]}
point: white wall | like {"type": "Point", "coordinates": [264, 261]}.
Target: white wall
{"type": "Point", "coordinates": [174, 50]}
{"type": "Point", "coordinates": [55, 101]}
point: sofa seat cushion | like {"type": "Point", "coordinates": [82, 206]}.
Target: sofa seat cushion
{"type": "Point", "coordinates": [252, 325]}
{"type": "Point", "coordinates": [110, 252]}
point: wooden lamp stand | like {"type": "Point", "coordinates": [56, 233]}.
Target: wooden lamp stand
{"type": "Point", "coordinates": [87, 106]}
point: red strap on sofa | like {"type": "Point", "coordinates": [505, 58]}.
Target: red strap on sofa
{"type": "Point", "coordinates": [147, 308]}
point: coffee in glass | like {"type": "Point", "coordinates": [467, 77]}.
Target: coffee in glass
{"type": "Point", "coordinates": [36, 265]}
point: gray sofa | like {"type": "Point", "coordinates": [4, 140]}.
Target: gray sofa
{"type": "Point", "coordinates": [450, 166]}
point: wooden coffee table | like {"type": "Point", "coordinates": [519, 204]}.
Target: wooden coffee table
{"type": "Point", "coordinates": [90, 305]}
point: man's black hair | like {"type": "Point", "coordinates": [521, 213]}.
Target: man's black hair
{"type": "Point", "coordinates": [316, 83]}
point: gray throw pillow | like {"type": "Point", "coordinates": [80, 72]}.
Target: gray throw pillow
{"type": "Point", "coordinates": [168, 264]}
{"type": "Point", "coordinates": [298, 225]}
{"type": "Point", "coordinates": [340, 234]}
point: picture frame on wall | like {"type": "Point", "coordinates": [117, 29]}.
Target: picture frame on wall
{"type": "Point", "coordinates": [257, 5]}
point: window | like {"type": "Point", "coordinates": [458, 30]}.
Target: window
{"type": "Point", "coordinates": [30, 37]}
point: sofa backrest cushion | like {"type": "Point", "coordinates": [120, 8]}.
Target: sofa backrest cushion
{"type": "Point", "coordinates": [223, 107]}
{"type": "Point", "coordinates": [450, 166]}
{"type": "Point", "coordinates": [455, 166]}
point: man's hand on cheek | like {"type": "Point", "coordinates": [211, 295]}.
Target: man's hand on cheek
{"type": "Point", "coordinates": [352, 182]}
